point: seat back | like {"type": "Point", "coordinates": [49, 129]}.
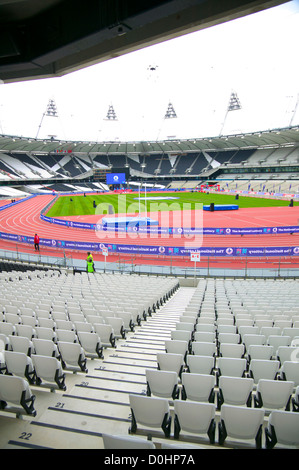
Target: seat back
{"type": "Point", "coordinates": [46, 367]}
{"type": "Point", "coordinates": [18, 364]}
{"type": "Point", "coordinates": [83, 326]}
{"type": "Point", "coordinates": [285, 353]}
{"type": "Point", "coordinates": [291, 331]}
{"type": "Point", "coordinates": [278, 340]}
{"type": "Point", "coordinates": [242, 422]}
{"type": "Point", "coordinates": [248, 339]}
{"type": "Point", "coordinates": [7, 328]}
{"type": "Point", "coordinates": [105, 332]}
{"type": "Point", "coordinates": [71, 353]}
{"type": "Point", "coordinates": [20, 344]}
{"type": "Point", "coordinates": [232, 350]}
{"type": "Point", "coordinates": [263, 369]}
{"type": "Point", "coordinates": [232, 338]}
{"type": "Point", "coordinates": [290, 371]}
{"type": "Point", "coordinates": [176, 346]}
{"type": "Point", "coordinates": [149, 411]}
{"type": "Point", "coordinates": [200, 364]}
{"type": "Point", "coordinates": [203, 348]}
{"type": "Point", "coordinates": [45, 347]}
{"type": "Point", "coordinates": [256, 351]}
{"type": "Point", "coordinates": [285, 424]}
{"type": "Point", "coordinates": [198, 387]}
{"type": "Point", "coordinates": [205, 327]}
{"type": "Point", "coordinates": [181, 335]}
{"type": "Point", "coordinates": [184, 326]}
{"type": "Point", "coordinates": [274, 394]}
{"type": "Point", "coordinates": [45, 333]}
{"type": "Point", "coordinates": [235, 390]}
{"type": "Point", "coordinates": [64, 325]}
{"type": "Point", "coordinates": [171, 362]}
{"type": "Point", "coordinates": [231, 366]}
{"type": "Point", "coordinates": [161, 383]}
{"type": "Point", "coordinates": [204, 336]}
{"type": "Point", "coordinates": [194, 417]}
{"type": "Point", "coordinates": [66, 335]}
{"type": "Point", "coordinates": [16, 390]}
{"type": "Point", "coordinates": [226, 329]}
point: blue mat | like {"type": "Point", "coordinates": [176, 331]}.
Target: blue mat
{"type": "Point", "coordinates": [125, 221]}
{"type": "Point", "coordinates": [222, 207]}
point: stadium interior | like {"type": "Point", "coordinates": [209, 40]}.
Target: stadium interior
{"type": "Point", "coordinates": [136, 361]}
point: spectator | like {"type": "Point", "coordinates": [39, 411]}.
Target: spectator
{"type": "Point", "coordinates": [36, 242]}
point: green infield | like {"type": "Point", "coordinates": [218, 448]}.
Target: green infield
{"type": "Point", "coordinates": [128, 203]}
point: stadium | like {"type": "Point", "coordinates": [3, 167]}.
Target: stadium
{"type": "Point", "coordinates": [186, 334]}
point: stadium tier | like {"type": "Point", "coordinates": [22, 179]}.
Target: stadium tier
{"type": "Point", "coordinates": [231, 169]}
{"type": "Point", "coordinates": [148, 361]}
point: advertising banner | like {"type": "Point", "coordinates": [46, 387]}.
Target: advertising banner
{"type": "Point", "coordinates": [155, 249]}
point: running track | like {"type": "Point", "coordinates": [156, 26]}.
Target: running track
{"type": "Point", "coordinates": [24, 219]}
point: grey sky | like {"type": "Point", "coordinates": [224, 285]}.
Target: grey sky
{"type": "Point", "coordinates": [255, 56]}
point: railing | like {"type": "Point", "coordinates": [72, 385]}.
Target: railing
{"type": "Point", "coordinates": [37, 259]}
{"type": "Point", "coordinates": [281, 267]}
{"type": "Point", "coordinates": [245, 267]}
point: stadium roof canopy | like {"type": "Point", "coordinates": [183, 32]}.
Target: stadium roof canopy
{"type": "Point", "coordinates": [47, 38]}
{"type": "Point", "coordinates": [275, 138]}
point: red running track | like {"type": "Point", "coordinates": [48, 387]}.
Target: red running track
{"type": "Point", "coordinates": [24, 219]}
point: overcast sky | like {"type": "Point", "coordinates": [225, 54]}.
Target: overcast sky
{"type": "Point", "coordinates": [255, 56]}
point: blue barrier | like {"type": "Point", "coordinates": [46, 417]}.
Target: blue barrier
{"type": "Point", "coordinates": [221, 207]}
{"type": "Point", "coordinates": [175, 230]}
{"type": "Point", "coordinates": [154, 249]}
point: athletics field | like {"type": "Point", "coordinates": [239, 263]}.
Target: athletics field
{"type": "Point", "coordinates": [128, 203]}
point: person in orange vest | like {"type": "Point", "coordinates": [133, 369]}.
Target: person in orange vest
{"type": "Point", "coordinates": [36, 242]}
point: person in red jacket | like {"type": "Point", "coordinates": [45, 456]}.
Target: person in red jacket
{"type": "Point", "coordinates": [36, 242]}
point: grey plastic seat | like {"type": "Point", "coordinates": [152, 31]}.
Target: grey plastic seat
{"type": "Point", "coordinates": [234, 391]}
{"type": "Point", "coordinates": [203, 348]}
{"type": "Point", "coordinates": [273, 394]}
{"type": "Point", "coordinates": [106, 334]}
{"type": "Point", "coordinates": [48, 369]}
{"type": "Point", "coordinates": [198, 387]}
{"type": "Point", "coordinates": [91, 343]}
{"type": "Point", "coordinates": [290, 371]}
{"type": "Point", "coordinates": [232, 350]}
{"type": "Point", "coordinates": [263, 369]}
{"type": "Point", "coordinates": [72, 356]}
{"type": "Point", "coordinates": [194, 417]}
{"type": "Point", "coordinates": [256, 351]}
{"type": "Point", "coordinates": [20, 365]}
{"type": "Point", "coordinates": [283, 428]}
{"type": "Point", "coordinates": [171, 361]}
{"type": "Point", "coordinates": [177, 347]}
{"type": "Point", "coordinates": [45, 347]}
{"type": "Point", "coordinates": [16, 391]}
{"type": "Point", "coordinates": [162, 383]}
{"type": "Point", "coordinates": [21, 344]}
{"type": "Point", "coordinates": [152, 412]}
{"type": "Point", "coordinates": [231, 367]}
{"type": "Point", "coordinates": [200, 364]}
{"type": "Point", "coordinates": [241, 423]}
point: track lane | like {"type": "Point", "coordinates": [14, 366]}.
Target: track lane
{"type": "Point", "coordinates": [24, 219]}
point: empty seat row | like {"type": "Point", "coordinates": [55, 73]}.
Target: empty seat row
{"type": "Point", "coordinates": [229, 366]}
{"type": "Point", "coordinates": [267, 393]}
{"type": "Point", "coordinates": [69, 356]}
{"type": "Point", "coordinates": [236, 422]}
